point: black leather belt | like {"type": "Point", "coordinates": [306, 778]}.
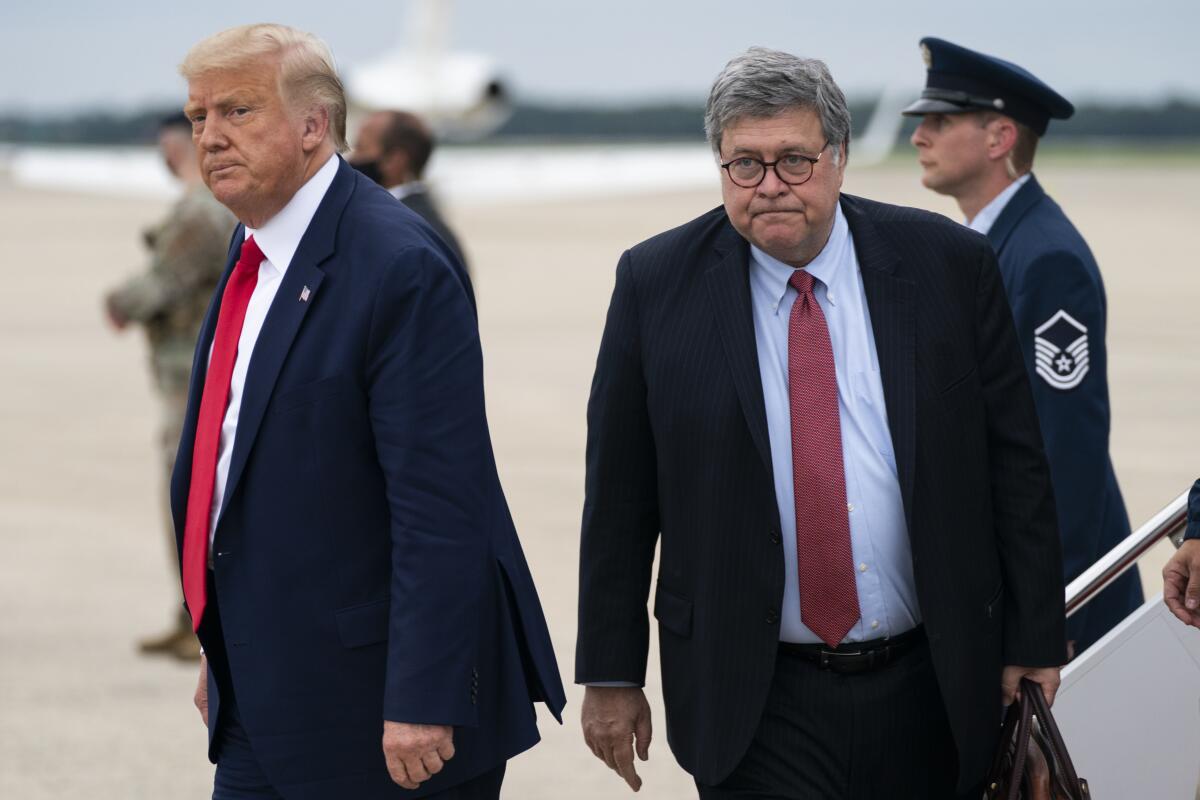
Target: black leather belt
{"type": "Point", "coordinates": [856, 657]}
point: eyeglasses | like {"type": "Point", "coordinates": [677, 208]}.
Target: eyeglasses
{"type": "Point", "coordinates": [791, 168]}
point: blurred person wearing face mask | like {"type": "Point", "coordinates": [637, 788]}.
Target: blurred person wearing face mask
{"type": "Point", "coordinates": [393, 149]}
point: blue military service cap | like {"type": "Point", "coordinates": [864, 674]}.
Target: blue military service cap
{"type": "Point", "coordinates": [960, 80]}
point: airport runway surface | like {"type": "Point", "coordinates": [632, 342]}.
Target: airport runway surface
{"type": "Point", "coordinates": [85, 569]}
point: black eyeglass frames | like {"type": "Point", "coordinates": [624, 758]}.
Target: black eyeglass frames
{"type": "Point", "coordinates": [791, 168]}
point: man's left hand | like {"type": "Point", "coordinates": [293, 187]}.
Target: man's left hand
{"type": "Point", "coordinates": [415, 753]}
{"type": "Point", "coordinates": [1181, 583]}
{"type": "Point", "coordinates": [1046, 677]}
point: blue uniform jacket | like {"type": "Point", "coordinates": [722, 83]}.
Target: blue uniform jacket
{"type": "Point", "coordinates": [1059, 306]}
{"type": "Point", "coordinates": [1193, 516]}
{"type": "Point", "coordinates": [365, 563]}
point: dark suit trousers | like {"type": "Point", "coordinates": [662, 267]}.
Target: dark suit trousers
{"type": "Point", "coordinates": [239, 775]}
{"type": "Point", "coordinates": [825, 736]}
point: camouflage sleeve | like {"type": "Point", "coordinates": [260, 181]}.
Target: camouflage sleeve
{"type": "Point", "coordinates": [189, 254]}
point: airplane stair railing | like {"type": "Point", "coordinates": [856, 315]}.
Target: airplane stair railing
{"type": "Point", "coordinates": [1129, 706]}
{"type": "Point", "coordinates": [1171, 521]}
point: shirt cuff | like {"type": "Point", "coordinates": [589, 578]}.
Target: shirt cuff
{"type": "Point", "coordinates": [614, 684]}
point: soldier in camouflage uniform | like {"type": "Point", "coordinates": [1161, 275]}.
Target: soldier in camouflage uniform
{"type": "Point", "coordinates": [168, 300]}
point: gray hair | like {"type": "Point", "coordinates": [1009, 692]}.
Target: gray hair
{"type": "Point", "coordinates": [307, 75]}
{"type": "Point", "coordinates": [765, 83]}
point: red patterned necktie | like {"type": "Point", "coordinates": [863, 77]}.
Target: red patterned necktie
{"type": "Point", "coordinates": [828, 589]}
{"type": "Point", "coordinates": [208, 426]}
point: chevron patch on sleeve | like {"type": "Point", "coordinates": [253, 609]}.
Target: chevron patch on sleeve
{"type": "Point", "coordinates": [1061, 351]}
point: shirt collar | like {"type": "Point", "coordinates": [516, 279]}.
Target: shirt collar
{"type": "Point", "coordinates": [403, 190]}
{"type": "Point", "coordinates": [986, 218]}
{"type": "Point", "coordinates": [824, 268]}
{"type": "Point", "coordinates": [280, 236]}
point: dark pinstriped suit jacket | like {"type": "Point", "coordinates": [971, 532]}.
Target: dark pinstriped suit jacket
{"type": "Point", "coordinates": [677, 446]}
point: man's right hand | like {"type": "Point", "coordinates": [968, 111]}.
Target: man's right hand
{"type": "Point", "coordinates": [612, 718]}
{"type": "Point", "coordinates": [201, 698]}
{"type": "Point", "coordinates": [1181, 583]}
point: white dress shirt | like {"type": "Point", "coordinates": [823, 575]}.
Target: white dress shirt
{"type": "Point", "coordinates": [403, 190]}
{"type": "Point", "coordinates": [987, 217]}
{"type": "Point", "coordinates": [278, 240]}
{"type": "Point", "coordinates": [887, 596]}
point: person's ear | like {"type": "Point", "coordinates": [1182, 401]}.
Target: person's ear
{"type": "Point", "coordinates": [398, 166]}
{"type": "Point", "coordinates": [1002, 138]}
{"type": "Point", "coordinates": [316, 128]}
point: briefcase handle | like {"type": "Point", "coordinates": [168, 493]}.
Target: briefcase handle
{"type": "Point", "coordinates": [1007, 779]}
{"type": "Point", "coordinates": [1067, 782]}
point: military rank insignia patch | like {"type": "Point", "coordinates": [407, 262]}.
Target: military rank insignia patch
{"type": "Point", "coordinates": [1061, 351]}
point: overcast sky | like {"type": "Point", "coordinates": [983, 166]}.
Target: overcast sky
{"type": "Point", "coordinates": [68, 55]}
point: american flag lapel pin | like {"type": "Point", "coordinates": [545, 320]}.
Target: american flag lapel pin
{"type": "Point", "coordinates": [304, 295]}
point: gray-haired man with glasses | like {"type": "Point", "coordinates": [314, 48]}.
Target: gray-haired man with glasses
{"type": "Point", "coordinates": [815, 406]}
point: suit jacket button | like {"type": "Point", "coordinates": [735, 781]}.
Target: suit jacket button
{"type": "Point", "coordinates": [775, 537]}
{"type": "Point", "coordinates": [772, 617]}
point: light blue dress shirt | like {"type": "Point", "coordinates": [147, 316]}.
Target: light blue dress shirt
{"type": "Point", "coordinates": [988, 215]}
{"type": "Point", "coordinates": [887, 594]}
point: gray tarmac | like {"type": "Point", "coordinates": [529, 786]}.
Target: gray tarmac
{"type": "Point", "coordinates": [85, 572]}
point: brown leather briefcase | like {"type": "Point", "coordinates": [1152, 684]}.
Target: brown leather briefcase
{"type": "Point", "coordinates": [1031, 760]}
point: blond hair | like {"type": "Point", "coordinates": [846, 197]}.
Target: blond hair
{"type": "Point", "coordinates": [307, 75]}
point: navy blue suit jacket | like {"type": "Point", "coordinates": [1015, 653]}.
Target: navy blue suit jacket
{"type": "Point", "coordinates": [1193, 515]}
{"type": "Point", "coordinates": [1059, 306]}
{"type": "Point", "coordinates": [365, 564]}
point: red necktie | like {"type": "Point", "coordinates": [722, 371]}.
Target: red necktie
{"type": "Point", "coordinates": [208, 426]}
{"type": "Point", "coordinates": [828, 589]}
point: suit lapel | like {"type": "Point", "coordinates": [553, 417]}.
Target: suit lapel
{"type": "Point", "coordinates": [729, 289]}
{"type": "Point", "coordinates": [283, 321]}
{"type": "Point", "coordinates": [891, 302]}
{"type": "Point", "coordinates": [1026, 198]}
{"type": "Point", "coordinates": [181, 475]}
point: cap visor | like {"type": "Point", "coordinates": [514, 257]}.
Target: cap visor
{"type": "Point", "coordinates": [927, 106]}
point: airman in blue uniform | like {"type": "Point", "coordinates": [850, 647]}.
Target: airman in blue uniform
{"type": "Point", "coordinates": [981, 120]}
